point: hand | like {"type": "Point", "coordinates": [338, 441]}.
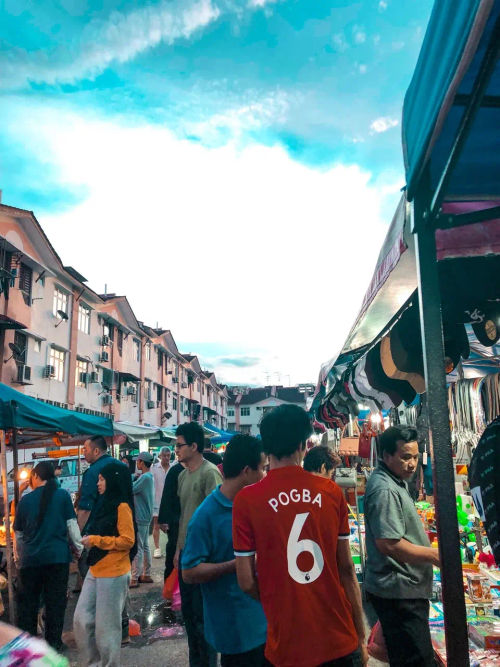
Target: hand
{"type": "Point", "coordinates": [176, 559]}
{"type": "Point", "coordinates": [364, 654]}
{"type": "Point", "coordinates": [86, 541]}
{"type": "Point", "coordinates": [163, 527]}
{"type": "Point", "coordinates": [23, 486]}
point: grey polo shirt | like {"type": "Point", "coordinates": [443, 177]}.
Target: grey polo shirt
{"type": "Point", "coordinates": [390, 514]}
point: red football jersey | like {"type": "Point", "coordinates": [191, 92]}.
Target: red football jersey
{"type": "Point", "coordinates": [292, 521]}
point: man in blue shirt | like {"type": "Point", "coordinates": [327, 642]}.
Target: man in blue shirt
{"type": "Point", "coordinates": [143, 490]}
{"type": "Point", "coordinates": [95, 452]}
{"type": "Point", "coordinates": [234, 623]}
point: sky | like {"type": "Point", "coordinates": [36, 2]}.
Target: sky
{"type": "Point", "coordinates": [230, 166]}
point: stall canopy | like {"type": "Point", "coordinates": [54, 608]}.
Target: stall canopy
{"type": "Point", "coordinates": [218, 436]}
{"type": "Point", "coordinates": [135, 432]}
{"type": "Point", "coordinates": [460, 38]}
{"type": "Point", "coordinates": [24, 412]}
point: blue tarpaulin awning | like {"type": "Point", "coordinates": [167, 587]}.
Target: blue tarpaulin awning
{"type": "Point", "coordinates": [447, 70]}
{"type": "Point", "coordinates": [20, 411]}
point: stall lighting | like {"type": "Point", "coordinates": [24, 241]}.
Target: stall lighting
{"type": "Point", "coordinates": [23, 474]}
{"type": "Point", "coordinates": [376, 419]}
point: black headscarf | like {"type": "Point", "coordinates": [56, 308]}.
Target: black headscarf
{"type": "Point", "coordinates": [105, 520]}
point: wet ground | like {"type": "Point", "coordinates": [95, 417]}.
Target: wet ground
{"type": "Point", "coordinates": [155, 618]}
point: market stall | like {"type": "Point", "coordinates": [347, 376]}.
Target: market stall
{"type": "Point", "coordinates": [436, 273]}
{"type": "Point", "coordinates": [23, 421]}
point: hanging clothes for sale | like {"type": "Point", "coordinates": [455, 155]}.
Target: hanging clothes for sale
{"type": "Point", "coordinates": [484, 480]}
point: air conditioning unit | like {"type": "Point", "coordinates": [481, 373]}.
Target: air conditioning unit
{"type": "Point", "coordinates": [175, 380]}
{"type": "Point", "coordinates": [93, 377]}
{"type": "Point", "coordinates": [49, 372]}
{"type": "Point", "coordinates": [105, 341]}
{"type": "Point", "coordinates": [84, 378]}
{"type": "Point", "coordinates": [184, 385]}
{"type": "Point", "coordinates": [131, 391]}
{"type": "Point", "coordinates": [151, 405]}
{"type": "Point", "coordinates": [107, 399]}
{"type": "Point", "coordinates": [23, 373]}
{"type": "Point", "coordinates": [104, 356]}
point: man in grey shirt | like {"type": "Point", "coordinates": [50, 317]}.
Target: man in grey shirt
{"type": "Point", "coordinates": [399, 556]}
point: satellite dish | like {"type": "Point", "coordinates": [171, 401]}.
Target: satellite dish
{"type": "Point", "coordinates": [167, 415]}
{"type": "Point", "coordinates": [15, 348]}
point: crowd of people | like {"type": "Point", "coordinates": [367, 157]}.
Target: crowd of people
{"type": "Point", "coordinates": [259, 540]}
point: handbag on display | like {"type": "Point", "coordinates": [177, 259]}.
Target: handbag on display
{"type": "Point", "coordinates": [349, 444]}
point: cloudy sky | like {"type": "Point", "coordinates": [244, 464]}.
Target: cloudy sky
{"type": "Point", "coordinates": [229, 165]}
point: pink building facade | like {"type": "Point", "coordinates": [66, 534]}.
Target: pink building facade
{"type": "Point", "coordinates": [62, 342]}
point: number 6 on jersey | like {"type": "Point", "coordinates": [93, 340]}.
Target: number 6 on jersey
{"type": "Point", "coordinates": [295, 547]}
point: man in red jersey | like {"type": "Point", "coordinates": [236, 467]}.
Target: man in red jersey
{"type": "Point", "coordinates": [291, 541]}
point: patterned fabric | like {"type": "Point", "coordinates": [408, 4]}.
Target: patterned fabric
{"type": "Point", "coordinates": [27, 651]}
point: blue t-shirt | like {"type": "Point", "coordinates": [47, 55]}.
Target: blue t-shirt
{"type": "Point", "coordinates": [48, 544]}
{"type": "Point", "coordinates": [234, 622]}
{"type": "Point", "coordinates": [88, 488]}
{"type": "Point", "coordinates": [143, 489]}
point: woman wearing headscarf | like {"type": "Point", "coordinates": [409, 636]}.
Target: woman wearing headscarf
{"type": "Point", "coordinates": [45, 528]}
{"type": "Point", "coordinates": [98, 614]}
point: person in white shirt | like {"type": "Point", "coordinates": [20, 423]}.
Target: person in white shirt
{"type": "Point", "coordinates": [159, 471]}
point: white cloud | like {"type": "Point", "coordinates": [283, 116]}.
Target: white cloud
{"type": "Point", "coordinates": [382, 5]}
{"type": "Point", "coordinates": [270, 109]}
{"type": "Point", "coordinates": [241, 246]}
{"type": "Point", "coordinates": [383, 124]}
{"type": "Point", "coordinates": [260, 3]}
{"type": "Point", "coordinates": [363, 69]}
{"type": "Point", "coordinates": [340, 42]}
{"type": "Point", "coordinates": [359, 35]}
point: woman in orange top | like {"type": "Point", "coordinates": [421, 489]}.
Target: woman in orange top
{"type": "Point", "coordinates": [97, 620]}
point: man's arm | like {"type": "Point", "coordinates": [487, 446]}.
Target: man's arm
{"type": "Point", "coordinates": [208, 572]}
{"type": "Point", "coordinates": [348, 579]}
{"type": "Point", "coordinates": [406, 552]}
{"type": "Point", "coordinates": [247, 576]}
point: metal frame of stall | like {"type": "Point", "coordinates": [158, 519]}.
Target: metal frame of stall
{"type": "Point", "coordinates": [427, 218]}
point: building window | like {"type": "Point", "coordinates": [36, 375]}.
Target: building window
{"type": "Point", "coordinates": [246, 429]}
{"type": "Point", "coordinates": [84, 318]}
{"type": "Point", "coordinates": [148, 351]}
{"type": "Point", "coordinates": [174, 402]}
{"type": "Point", "coordinates": [245, 412]}
{"type": "Point", "coordinates": [160, 359]}
{"type": "Point", "coordinates": [81, 367]}
{"type": "Point", "coordinates": [57, 358]}
{"type": "Point", "coordinates": [230, 412]}
{"type": "Point", "coordinates": [25, 282]}
{"type": "Point", "coordinates": [231, 426]}
{"type": "Point", "coordinates": [147, 390]}
{"type": "Point", "coordinates": [137, 350]}
{"type": "Point", "coordinates": [159, 393]}
{"type": "Point", "coordinates": [198, 386]}
{"type": "Point", "coordinates": [60, 301]}
{"type": "Point", "coordinates": [119, 341]}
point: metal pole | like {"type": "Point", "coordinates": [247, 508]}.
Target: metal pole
{"type": "Point", "coordinates": [455, 622]}
{"type": "Point", "coordinates": [15, 467]}
{"type": "Point", "coordinates": [8, 540]}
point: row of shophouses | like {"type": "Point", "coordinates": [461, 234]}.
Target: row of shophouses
{"type": "Point", "coordinates": [67, 345]}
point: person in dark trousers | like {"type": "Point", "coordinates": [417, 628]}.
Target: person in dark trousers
{"type": "Point", "coordinates": [169, 515]}
{"type": "Point", "coordinates": [208, 559]}
{"type": "Point", "coordinates": [399, 556]}
{"type": "Point", "coordinates": [196, 482]}
{"type": "Point", "coordinates": [45, 527]}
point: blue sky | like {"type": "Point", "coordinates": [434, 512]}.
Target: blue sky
{"type": "Point", "coordinates": [262, 136]}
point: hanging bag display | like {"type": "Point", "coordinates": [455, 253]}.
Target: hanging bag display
{"type": "Point", "coordinates": [349, 444]}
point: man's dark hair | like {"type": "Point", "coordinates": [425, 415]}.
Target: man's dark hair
{"type": "Point", "coordinates": [241, 451]}
{"type": "Point", "coordinates": [284, 429]}
{"type": "Point", "coordinates": [388, 440]}
{"type": "Point", "coordinates": [192, 434]}
{"type": "Point", "coordinates": [58, 467]}
{"type": "Point", "coordinates": [99, 442]}
{"type": "Point", "coordinates": [318, 456]}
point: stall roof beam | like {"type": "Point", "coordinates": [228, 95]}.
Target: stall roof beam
{"type": "Point", "coordinates": [488, 65]}
{"type": "Point", "coordinates": [485, 214]}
